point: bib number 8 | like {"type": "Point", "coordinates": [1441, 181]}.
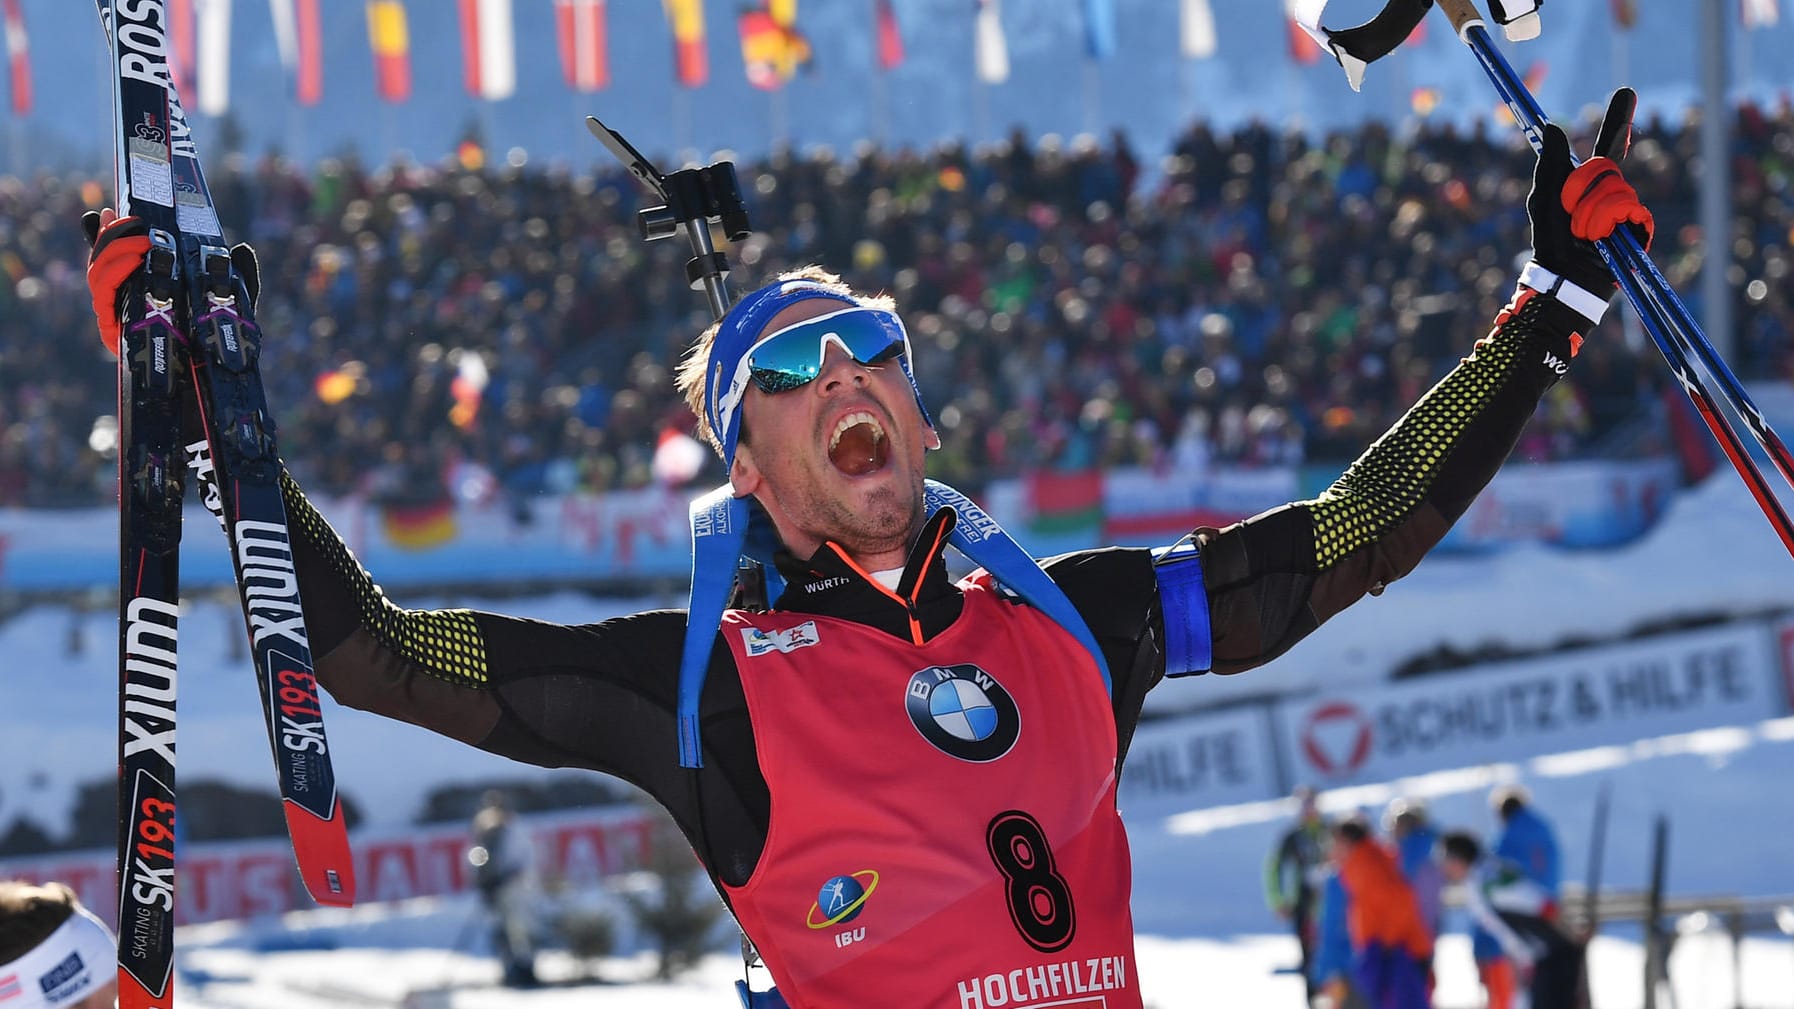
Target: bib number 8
{"type": "Point", "coordinates": [1038, 897]}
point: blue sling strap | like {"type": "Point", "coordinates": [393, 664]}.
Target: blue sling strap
{"type": "Point", "coordinates": [727, 530]}
{"type": "Point", "coordinates": [1183, 600]}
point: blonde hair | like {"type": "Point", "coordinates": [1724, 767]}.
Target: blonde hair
{"type": "Point", "coordinates": [689, 377]}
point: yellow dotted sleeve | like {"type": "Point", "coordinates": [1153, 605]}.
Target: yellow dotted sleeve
{"type": "Point", "coordinates": [445, 644]}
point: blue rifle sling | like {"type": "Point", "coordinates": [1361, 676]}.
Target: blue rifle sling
{"type": "Point", "coordinates": [1183, 600]}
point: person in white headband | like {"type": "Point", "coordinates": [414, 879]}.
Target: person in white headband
{"type": "Point", "coordinates": [54, 954]}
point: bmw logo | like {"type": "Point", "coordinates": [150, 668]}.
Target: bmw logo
{"type": "Point", "coordinates": [963, 711]}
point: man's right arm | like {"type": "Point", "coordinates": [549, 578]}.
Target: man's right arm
{"type": "Point", "coordinates": [597, 696]}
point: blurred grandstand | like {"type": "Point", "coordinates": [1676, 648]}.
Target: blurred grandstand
{"type": "Point", "coordinates": [1256, 298]}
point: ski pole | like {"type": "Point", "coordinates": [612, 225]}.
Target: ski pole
{"type": "Point", "coordinates": [1665, 317]}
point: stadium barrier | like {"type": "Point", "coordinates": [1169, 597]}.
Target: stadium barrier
{"type": "Point", "coordinates": [630, 537]}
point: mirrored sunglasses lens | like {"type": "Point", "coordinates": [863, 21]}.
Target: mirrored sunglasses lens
{"type": "Point", "coordinates": [773, 380]}
{"type": "Point", "coordinates": [794, 359]}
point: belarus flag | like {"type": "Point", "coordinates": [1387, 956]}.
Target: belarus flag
{"type": "Point", "coordinates": [580, 27]}
{"type": "Point", "coordinates": [488, 51]}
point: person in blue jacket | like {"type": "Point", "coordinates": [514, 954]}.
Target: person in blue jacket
{"type": "Point", "coordinates": [1528, 841]}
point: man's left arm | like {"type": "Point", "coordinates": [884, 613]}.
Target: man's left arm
{"type": "Point", "coordinates": [1267, 582]}
{"type": "Point", "coordinates": [1272, 579]}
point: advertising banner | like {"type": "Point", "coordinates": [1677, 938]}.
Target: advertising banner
{"type": "Point", "coordinates": [245, 879]}
{"type": "Point", "coordinates": [1200, 760]}
{"type": "Point", "coordinates": [1516, 710]}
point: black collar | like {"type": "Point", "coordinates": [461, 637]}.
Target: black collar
{"type": "Point", "coordinates": [924, 603]}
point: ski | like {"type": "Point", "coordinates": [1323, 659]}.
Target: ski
{"type": "Point", "coordinates": [150, 490]}
{"type": "Point", "coordinates": [230, 437]}
{"type": "Point", "coordinates": [151, 383]}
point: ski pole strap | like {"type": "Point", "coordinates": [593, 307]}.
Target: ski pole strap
{"type": "Point", "coordinates": [984, 542]}
{"type": "Point", "coordinates": [1183, 601]}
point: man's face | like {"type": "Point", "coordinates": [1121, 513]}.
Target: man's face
{"type": "Point", "coordinates": [840, 458]}
{"type": "Point", "coordinates": [1455, 870]}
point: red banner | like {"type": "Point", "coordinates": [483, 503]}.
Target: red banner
{"type": "Point", "coordinates": [246, 879]}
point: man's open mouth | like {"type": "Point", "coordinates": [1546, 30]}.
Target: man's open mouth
{"type": "Point", "coordinates": [858, 445]}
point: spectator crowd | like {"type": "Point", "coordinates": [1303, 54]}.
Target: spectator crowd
{"type": "Point", "coordinates": [1257, 298]}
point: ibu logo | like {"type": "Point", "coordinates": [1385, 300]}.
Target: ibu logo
{"type": "Point", "coordinates": [840, 900]}
{"type": "Point", "coordinates": [963, 712]}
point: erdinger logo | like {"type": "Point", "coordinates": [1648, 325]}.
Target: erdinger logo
{"type": "Point", "coordinates": [963, 711]}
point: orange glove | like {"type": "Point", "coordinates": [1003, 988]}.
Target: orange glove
{"type": "Point", "coordinates": [1600, 199]}
{"type": "Point", "coordinates": [119, 247]}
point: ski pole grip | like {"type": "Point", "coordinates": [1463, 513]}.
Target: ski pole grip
{"type": "Point", "coordinates": [1463, 15]}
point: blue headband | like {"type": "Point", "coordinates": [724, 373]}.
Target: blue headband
{"type": "Point", "coordinates": [739, 331]}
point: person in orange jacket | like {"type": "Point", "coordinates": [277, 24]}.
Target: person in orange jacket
{"type": "Point", "coordinates": [1390, 938]}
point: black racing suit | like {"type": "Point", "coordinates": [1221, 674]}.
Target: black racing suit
{"type": "Point", "coordinates": [603, 696]}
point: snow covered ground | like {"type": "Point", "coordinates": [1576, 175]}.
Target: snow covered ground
{"type": "Point", "coordinates": [1206, 938]}
{"type": "Point", "coordinates": [1172, 974]}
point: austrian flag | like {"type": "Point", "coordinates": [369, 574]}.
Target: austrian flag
{"type": "Point", "coordinates": [580, 27]}
{"type": "Point", "coordinates": [488, 50]}
{"type": "Point", "coordinates": [296, 37]}
{"type": "Point", "coordinates": [18, 54]}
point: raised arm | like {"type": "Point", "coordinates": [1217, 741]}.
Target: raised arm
{"type": "Point", "coordinates": [1274, 578]}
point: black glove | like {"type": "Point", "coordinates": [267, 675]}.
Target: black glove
{"type": "Point", "coordinates": [1572, 207]}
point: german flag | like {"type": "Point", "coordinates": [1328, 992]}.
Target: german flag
{"type": "Point", "coordinates": [419, 527]}
{"type": "Point", "coordinates": [771, 50]}
{"type": "Point", "coordinates": [691, 63]}
{"type": "Point", "coordinates": [390, 39]}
